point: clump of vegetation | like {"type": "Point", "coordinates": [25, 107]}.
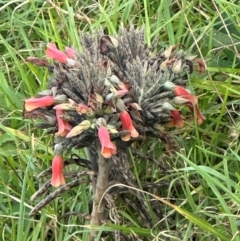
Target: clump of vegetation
{"type": "Point", "coordinates": [119, 90]}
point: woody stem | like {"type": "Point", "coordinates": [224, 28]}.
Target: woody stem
{"type": "Point", "coordinates": [100, 185]}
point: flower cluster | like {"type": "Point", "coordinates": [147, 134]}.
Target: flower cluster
{"type": "Point", "coordinates": [116, 86]}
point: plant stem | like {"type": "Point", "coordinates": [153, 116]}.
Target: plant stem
{"type": "Point", "coordinates": [101, 184]}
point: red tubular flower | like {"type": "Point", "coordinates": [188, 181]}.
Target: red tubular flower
{"type": "Point", "coordinates": [177, 119]}
{"type": "Point", "coordinates": [34, 103]}
{"type": "Point", "coordinates": [57, 168]}
{"type": "Point", "coordinates": [53, 53]}
{"type": "Point", "coordinates": [63, 126]}
{"type": "Point", "coordinates": [71, 53]}
{"type": "Point", "coordinates": [120, 93]}
{"type": "Point", "coordinates": [200, 117]}
{"type": "Point", "coordinates": [108, 148]}
{"type": "Point", "coordinates": [128, 125]}
{"type": "Point", "coordinates": [182, 92]}
{"type": "Point", "coordinates": [192, 102]}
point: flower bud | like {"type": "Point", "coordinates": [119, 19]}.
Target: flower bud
{"type": "Point", "coordinates": [58, 149]}
{"type": "Point", "coordinates": [77, 130]}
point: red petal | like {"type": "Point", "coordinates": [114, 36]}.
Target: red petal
{"type": "Point", "coordinates": [127, 124]}
{"type": "Point", "coordinates": [108, 148]}
{"type": "Point", "coordinates": [182, 92]}
{"type": "Point", "coordinates": [71, 53]}
{"type": "Point", "coordinates": [34, 103]}
{"type": "Point", "coordinates": [63, 126]}
{"type": "Point", "coordinates": [177, 119]}
{"type": "Point", "coordinates": [57, 168]}
{"type": "Point", "coordinates": [53, 53]}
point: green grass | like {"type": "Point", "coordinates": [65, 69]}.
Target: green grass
{"type": "Point", "coordinates": [208, 210]}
